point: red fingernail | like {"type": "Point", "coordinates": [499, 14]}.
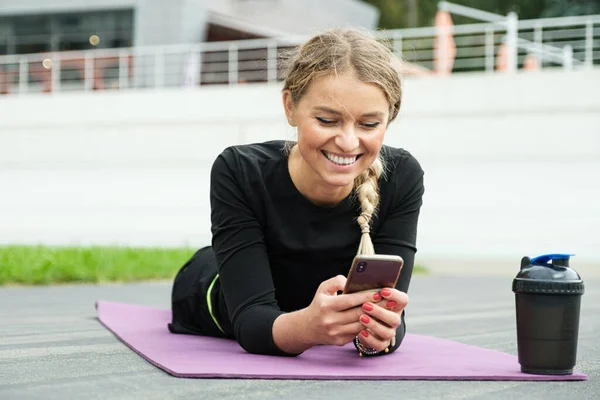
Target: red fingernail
{"type": "Point", "coordinates": [364, 319]}
{"type": "Point", "coordinates": [367, 307]}
{"type": "Point", "coordinates": [386, 292]}
{"type": "Point", "coordinates": [364, 333]}
{"type": "Point", "coordinates": [376, 297]}
{"type": "Point", "coordinates": [391, 304]}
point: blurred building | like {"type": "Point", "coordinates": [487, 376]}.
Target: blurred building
{"type": "Point", "coordinates": [37, 26]}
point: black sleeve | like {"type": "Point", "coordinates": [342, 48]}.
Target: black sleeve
{"type": "Point", "coordinates": [398, 232]}
{"type": "Point", "coordinates": [243, 264]}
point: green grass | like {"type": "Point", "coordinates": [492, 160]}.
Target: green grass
{"type": "Point", "coordinates": [420, 270]}
{"type": "Point", "coordinates": [42, 265]}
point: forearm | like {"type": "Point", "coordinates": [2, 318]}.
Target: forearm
{"type": "Point", "coordinates": [290, 334]}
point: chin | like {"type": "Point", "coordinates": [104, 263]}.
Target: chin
{"type": "Point", "coordinates": [338, 180]}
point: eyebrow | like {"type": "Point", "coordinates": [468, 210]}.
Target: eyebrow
{"type": "Point", "coordinates": [336, 112]}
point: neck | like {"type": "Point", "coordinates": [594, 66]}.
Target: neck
{"type": "Point", "coordinates": [311, 186]}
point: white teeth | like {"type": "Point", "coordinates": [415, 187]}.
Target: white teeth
{"type": "Point", "coordinates": [340, 160]}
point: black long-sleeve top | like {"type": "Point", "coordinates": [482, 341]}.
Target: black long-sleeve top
{"type": "Point", "coordinates": [274, 247]}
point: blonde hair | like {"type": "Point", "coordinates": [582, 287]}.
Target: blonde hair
{"type": "Point", "coordinates": [338, 51]}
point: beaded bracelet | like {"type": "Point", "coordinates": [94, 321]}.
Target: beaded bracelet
{"type": "Point", "coordinates": [369, 352]}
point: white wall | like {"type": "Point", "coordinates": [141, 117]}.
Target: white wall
{"type": "Point", "coordinates": [298, 17]}
{"type": "Point", "coordinates": [512, 163]}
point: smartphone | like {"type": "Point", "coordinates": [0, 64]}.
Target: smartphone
{"type": "Point", "coordinates": [373, 272]}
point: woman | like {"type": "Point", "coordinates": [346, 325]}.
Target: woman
{"type": "Point", "coordinates": [288, 218]}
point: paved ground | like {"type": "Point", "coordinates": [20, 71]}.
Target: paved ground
{"type": "Point", "coordinates": [52, 347]}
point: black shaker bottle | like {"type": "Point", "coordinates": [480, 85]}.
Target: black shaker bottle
{"type": "Point", "coordinates": [547, 298]}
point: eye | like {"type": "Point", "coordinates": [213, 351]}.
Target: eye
{"type": "Point", "coordinates": [371, 125]}
{"type": "Point", "coordinates": [326, 122]}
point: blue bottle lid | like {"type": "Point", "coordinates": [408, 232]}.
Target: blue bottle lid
{"type": "Point", "coordinates": [548, 274]}
{"type": "Point", "coordinates": [547, 258]}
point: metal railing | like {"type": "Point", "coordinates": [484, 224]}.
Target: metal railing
{"type": "Point", "coordinates": [569, 42]}
{"type": "Point", "coordinates": [539, 50]}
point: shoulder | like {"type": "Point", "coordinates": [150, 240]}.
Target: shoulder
{"type": "Point", "coordinates": [253, 155]}
{"type": "Point", "coordinates": [403, 178]}
{"type": "Point", "coordinates": [400, 165]}
{"type": "Point", "coordinates": [263, 151]}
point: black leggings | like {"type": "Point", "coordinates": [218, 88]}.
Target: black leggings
{"type": "Point", "coordinates": [190, 305]}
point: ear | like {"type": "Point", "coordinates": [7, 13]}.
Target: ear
{"type": "Point", "coordinates": [289, 107]}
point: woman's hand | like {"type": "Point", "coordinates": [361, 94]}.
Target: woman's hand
{"type": "Point", "coordinates": [380, 319]}
{"type": "Point", "coordinates": [333, 319]}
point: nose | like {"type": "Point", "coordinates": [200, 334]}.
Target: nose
{"type": "Point", "coordinates": [347, 140]}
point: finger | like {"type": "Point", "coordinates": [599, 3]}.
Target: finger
{"type": "Point", "coordinates": [343, 334]}
{"type": "Point", "coordinates": [388, 317]}
{"type": "Point", "coordinates": [351, 300]}
{"type": "Point", "coordinates": [392, 294]}
{"type": "Point", "coordinates": [348, 316]}
{"type": "Point", "coordinates": [333, 285]}
{"type": "Point", "coordinates": [371, 341]}
{"type": "Point", "coordinates": [351, 329]}
{"type": "Point", "coordinates": [343, 340]}
{"type": "Point", "coordinates": [377, 328]}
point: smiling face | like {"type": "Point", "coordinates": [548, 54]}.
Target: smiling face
{"type": "Point", "coordinates": [341, 124]}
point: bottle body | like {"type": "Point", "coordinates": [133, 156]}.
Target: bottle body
{"type": "Point", "coordinates": [547, 332]}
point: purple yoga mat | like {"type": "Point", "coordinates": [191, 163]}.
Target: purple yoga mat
{"type": "Point", "coordinates": [144, 330]}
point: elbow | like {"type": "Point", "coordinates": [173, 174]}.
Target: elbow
{"type": "Point", "coordinates": [264, 347]}
{"type": "Point", "coordinates": [250, 345]}
{"type": "Point", "coordinates": [254, 332]}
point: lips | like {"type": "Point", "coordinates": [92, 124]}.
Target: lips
{"type": "Point", "coordinates": [339, 160]}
